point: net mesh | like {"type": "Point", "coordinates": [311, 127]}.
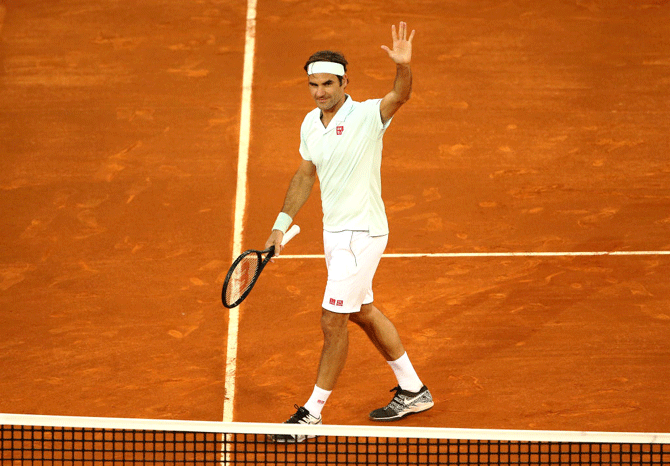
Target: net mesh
{"type": "Point", "coordinates": [241, 277]}
{"type": "Point", "coordinates": [27, 441]}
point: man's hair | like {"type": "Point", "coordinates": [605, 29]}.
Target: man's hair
{"type": "Point", "coordinates": [328, 55]}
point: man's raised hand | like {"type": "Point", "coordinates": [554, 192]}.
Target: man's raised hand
{"type": "Point", "coordinates": [401, 53]}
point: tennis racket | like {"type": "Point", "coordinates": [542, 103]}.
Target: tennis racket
{"type": "Point", "coordinates": [246, 269]}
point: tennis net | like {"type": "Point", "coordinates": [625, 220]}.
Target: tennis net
{"type": "Point", "coordinates": [60, 440]}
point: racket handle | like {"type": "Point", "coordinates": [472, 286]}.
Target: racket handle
{"type": "Point", "coordinates": [294, 230]}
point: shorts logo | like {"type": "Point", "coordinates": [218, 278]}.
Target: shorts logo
{"type": "Point", "coordinates": [339, 130]}
{"type": "Point", "coordinates": [334, 302]}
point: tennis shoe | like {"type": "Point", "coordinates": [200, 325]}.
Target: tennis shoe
{"type": "Point", "coordinates": [302, 416]}
{"type": "Point", "coordinates": [403, 404]}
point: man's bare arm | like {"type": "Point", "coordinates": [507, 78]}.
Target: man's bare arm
{"type": "Point", "coordinates": [297, 194]}
{"type": "Point", "coordinates": [401, 54]}
{"type": "Point", "coordinates": [300, 188]}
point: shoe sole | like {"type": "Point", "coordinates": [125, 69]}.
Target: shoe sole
{"type": "Point", "coordinates": [419, 408]}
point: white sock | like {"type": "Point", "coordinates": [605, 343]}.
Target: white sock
{"type": "Point", "coordinates": [405, 373]}
{"type": "Point", "coordinates": [316, 402]}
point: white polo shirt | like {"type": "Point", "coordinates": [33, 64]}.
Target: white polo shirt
{"type": "Point", "coordinates": [347, 155]}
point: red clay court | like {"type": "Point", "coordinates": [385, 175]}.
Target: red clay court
{"type": "Point", "coordinates": [534, 128]}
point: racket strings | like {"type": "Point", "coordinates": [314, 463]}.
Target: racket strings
{"type": "Point", "coordinates": [242, 278]}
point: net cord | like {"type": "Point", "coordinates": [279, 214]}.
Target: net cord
{"type": "Point", "coordinates": [336, 430]}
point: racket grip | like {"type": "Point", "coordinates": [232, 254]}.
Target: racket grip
{"type": "Point", "coordinates": [294, 230]}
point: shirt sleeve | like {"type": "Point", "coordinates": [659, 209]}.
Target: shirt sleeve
{"type": "Point", "coordinates": [376, 116]}
{"type": "Point", "coordinates": [304, 151]}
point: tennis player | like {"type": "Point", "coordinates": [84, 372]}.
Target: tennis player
{"type": "Point", "coordinates": [341, 143]}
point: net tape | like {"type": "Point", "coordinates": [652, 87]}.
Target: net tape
{"type": "Point", "coordinates": [41, 440]}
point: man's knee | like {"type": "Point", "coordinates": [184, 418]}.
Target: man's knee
{"type": "Point", "coordinates": [333, 323]}
{"type": "Point", "coordinates": [366, 316]}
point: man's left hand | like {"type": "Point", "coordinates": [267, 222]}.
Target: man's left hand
{"type": "Point", "coordinates": [401, 53]}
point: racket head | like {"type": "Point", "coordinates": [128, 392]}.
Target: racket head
{"type": "Point", "coordinates": [242, 276]}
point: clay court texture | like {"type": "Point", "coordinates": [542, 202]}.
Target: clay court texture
{"type": "Point", "coordinates": [527, 186]}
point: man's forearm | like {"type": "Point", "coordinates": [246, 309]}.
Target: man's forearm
{"type": "Point", "coordinates": [402, 86]}
{"type": "Point", "coordinates": [297, 194]}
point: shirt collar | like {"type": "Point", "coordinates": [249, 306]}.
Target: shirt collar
{"type": "Point", "coordinates": [341, 114]}
{"type": "Point", "coordinates": [345, 109]}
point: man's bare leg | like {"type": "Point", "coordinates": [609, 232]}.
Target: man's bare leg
{"type": "Point", "coordinates": [411, 395]}
{"type": "Point", "coordinates": [335, 347]}
{"type": "Point", "coordinates": [380, 330]}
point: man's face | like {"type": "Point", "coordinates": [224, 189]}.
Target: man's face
{"type": "Point", "coordinates": [326, 90]}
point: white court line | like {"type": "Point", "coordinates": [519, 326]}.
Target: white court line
{"type": "Point", "coordinates": [240, 202]}
{"type": "Point", "coordinates": [497, 254]}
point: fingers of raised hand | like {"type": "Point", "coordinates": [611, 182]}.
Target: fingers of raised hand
{"type": "Point", "coordinates": [401, 33]}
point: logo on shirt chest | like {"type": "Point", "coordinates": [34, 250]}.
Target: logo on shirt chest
{"type": "Point", "coordinates": [339, 130]}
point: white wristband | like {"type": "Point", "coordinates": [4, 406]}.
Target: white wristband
{"type": "Point", "coordinates": [283, 222]}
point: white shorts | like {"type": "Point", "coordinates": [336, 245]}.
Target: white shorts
{"type": "Point", "coordinates": [352, 258]}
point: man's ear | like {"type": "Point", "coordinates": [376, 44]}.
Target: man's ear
{"type": "Point", "coordinates": [345, 81]}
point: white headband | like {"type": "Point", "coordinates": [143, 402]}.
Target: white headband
{"type": "Point", "coordinates": [326, 67]}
